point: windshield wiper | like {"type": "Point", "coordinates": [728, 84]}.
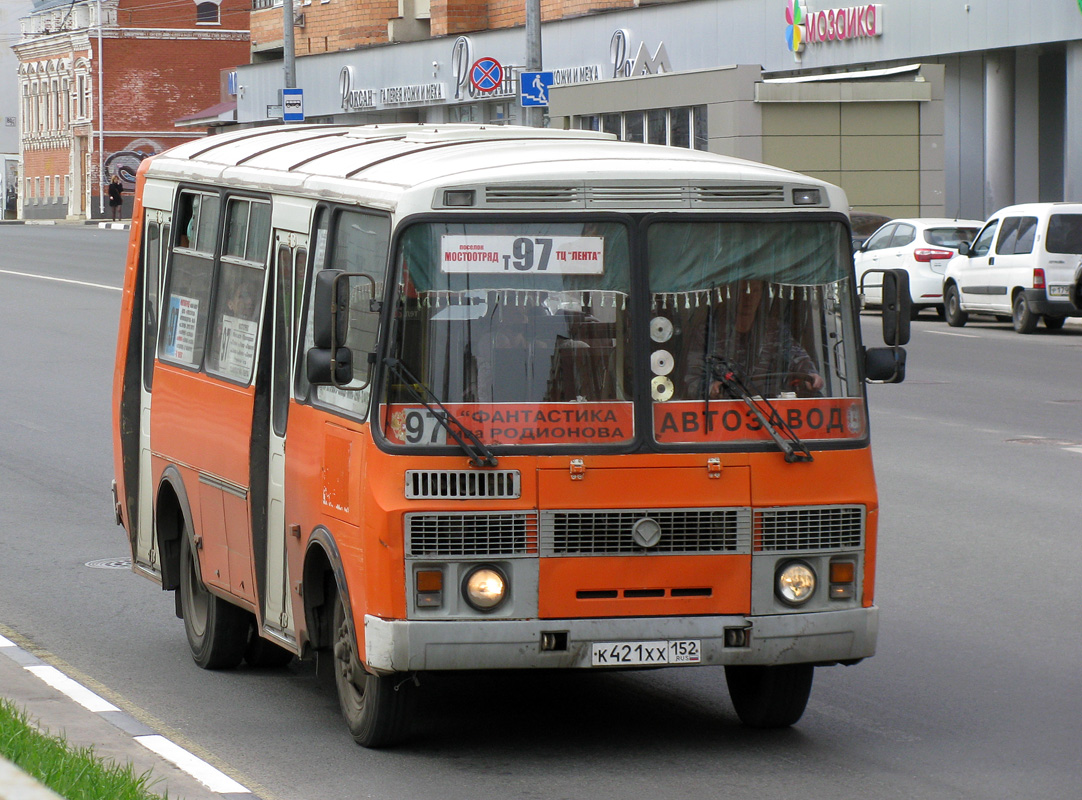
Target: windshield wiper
{"type": "Point", "coordinates": [728, 374]}
{"type": "Point", "coordinates": [480, 455]}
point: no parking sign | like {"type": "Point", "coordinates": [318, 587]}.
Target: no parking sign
{"type": "Point", "coordinates": [486, 74]}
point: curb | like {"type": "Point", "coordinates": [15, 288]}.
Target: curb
{"type": "Point", "coordinates": [183, 773]}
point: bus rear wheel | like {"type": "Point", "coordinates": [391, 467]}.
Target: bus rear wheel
{"type": "Point", "coordinates": [217, 631]}
{"type": "Point", "coordinates": [376, 707]}
{"type": "Point", "coordinates": [769, 697]}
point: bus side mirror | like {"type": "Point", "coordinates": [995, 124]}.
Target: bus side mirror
{"type": "Point", "coordinates": [884, 364]}
{"type": "Point", "coordinates": [896, 307]}
{"type": "Point", "coordinates": [330, 320]}
{"type": "Point", "coordinates": [323, 370]}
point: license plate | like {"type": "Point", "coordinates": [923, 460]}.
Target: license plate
{"type": "Point", "coordinates": [637, 654]}
{"type": "Point", "coordinates": [1058, 291]}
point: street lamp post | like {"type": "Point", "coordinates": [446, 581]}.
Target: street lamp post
{"type": "Point", "coordinates": [533, 115]}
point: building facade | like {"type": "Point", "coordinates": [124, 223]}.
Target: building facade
{"type": "Point", "coordinates": [101, 84]}
{"type": "Point", "coordinates": [913, 106]}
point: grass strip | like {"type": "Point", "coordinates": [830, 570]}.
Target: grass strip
{"type": "Point", "coordinates": [73, 773]}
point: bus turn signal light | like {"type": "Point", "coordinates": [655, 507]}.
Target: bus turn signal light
{"type": "Point", "coordinates": [843, 576]}
{"type": "Point", "coordinates": [429, 588]}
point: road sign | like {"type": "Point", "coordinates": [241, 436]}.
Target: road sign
{"type": "Point", "coordinates": [486, 74]}
{"type": "Point", "coordinates": [293, 105]}
{"type": "Point", "coordinates": [533, 88]}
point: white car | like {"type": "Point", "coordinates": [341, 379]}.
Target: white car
{"type": "Point", "coordinates": [922, 247]}
{"type": "Point", "coordinates": [1022, 266]}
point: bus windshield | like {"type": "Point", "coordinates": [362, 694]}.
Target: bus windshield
{"type": "Point", "coordinates": [760, 308]}
{"type": "Point", "coordinates": [521, 328]}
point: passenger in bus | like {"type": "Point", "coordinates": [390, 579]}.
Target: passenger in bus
{"type": "Point", "coordinates": [748, 333]}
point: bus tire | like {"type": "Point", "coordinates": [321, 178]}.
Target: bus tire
{"type": "Point", "coordinates": [217, 631]}
{"type": "Point", "coordinates": [769, 697]}
{"type": "Point", "coordinates": [376, 707]}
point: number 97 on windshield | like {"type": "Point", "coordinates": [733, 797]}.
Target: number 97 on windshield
{"type": "Point", "coordinates": [556, 255]}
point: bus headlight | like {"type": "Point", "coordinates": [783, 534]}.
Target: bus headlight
{"type": "Point", "coordinates": [794, 583]}
{"type": "Point", "coordinates": [484, 588]}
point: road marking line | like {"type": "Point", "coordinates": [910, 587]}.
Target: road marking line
{"type": "Point", "coordinates": [60, 280]}
{"type": "Point", "coordinates": [952, 333]}
{"type": "Point", "coordinates": [7, 642]}
{"type": "Point", "coordinates": [1077, 449]}
{"type": "Point", "coordinates": [214, 779]}
{"type": "Point", "coordinates": [76, 691]}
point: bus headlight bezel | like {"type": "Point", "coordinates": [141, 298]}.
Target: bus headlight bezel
{"type": "Point", "coordinates": [478, 595]}
{"type": "Point", "coordinates": [795, 582]}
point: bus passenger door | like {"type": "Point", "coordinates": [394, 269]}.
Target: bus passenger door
{"type": "Point", "coordinates": [291, 253]}
{"type": "Point", "coordinates": [155, 246]}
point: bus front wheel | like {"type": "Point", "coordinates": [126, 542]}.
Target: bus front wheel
{"type": "Point", "coordinates": [217, 631]}
{"type": "Point", "coordinates": [376, 707]}
{"type": "Point", "coordinates": [769, 697]}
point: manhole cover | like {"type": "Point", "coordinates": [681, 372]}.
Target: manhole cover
{"type": "Point", "coordinates": [110, 563]}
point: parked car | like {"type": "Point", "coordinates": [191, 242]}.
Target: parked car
{"type": "Point", "coordinates": [922, 247]}
{"type": "Point", "coordinates": [1023, 263]}
{"type": "Point", "coordinates": [864, 224]}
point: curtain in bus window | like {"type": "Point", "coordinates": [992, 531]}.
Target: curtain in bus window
{"type": "Point", "coordinates": [772, 299]}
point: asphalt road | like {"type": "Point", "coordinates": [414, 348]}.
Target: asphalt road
{"type": "Point", "coordinates": [976, 691]}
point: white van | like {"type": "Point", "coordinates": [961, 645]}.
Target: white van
{"type": "Point", "coordinates": [1021, 265]}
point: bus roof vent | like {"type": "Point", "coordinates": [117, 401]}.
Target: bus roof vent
{"type": "Point", "coordinates": [463, 484]}
{"type": "Point", "coordinates": [738, 195]}
{"type": "Point", "coordinates": [547, 195]}
{"type": "Point", "coordinates": [639, 195]}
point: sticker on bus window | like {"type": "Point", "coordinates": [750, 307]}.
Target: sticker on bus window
{"type": "Point", "coordinates": [515, 423]}
{"type": "Point", "coordinates": [181, 327]}
{"type": "Point", "coordinates": [236, 352]}
{"type": "Point", "coordinates": [731, 420]}
{"type": "Point", "coordinates": [557, 255]}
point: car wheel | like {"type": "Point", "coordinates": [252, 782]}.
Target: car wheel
{"type": "Point", "coordinates": [217, 631]}
{"type": "Point", "coordinates": [952, 304]}
{"type": "Point", "coordinates": [1054, 323]}
{"type": "Point", "coordinates": [1025, 321]}
{"type": "Point", "coordinates": [377, 708]}
{"type": "Point", "coordinates": [769, 697]}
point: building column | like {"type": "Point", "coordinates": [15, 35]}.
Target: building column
{"type": "Point", "coordinates": [1072, 156]}
{"type": "Point", "coordinates": [998, 130]}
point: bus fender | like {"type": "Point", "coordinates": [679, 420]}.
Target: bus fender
{"type": "Point", "coordinates": [171, 506]}
{"type": "Point", "coordinates": [322, 557]}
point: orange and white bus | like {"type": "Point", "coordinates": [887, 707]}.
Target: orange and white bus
{"type": "Point", "coordinates": [456, 397]}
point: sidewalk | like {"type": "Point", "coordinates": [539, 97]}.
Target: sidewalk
{"type": "Point", "coordinates": [61, 706]}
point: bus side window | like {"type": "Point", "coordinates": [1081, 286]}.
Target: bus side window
{"type": "Point", "coordinates": [239, 290]}
{"type": "Point", "coordinates": [353, 241]}
{"type": "Point", "coordinates": [186, 304]}
{"type": "Point", "coordinates": [153, 246]}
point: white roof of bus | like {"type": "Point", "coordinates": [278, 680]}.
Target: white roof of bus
{"type": "Point", "coordinates": [383, 163]}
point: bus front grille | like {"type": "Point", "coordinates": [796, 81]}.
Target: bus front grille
{"type": "Point", "coordinates": [449, 535]}
{"type": "Point", "coordinates": [678, 532]}
{"type": "Point", "coordinates": [805, 528]}
{"type": "Point", "coordinates": [460, 484]}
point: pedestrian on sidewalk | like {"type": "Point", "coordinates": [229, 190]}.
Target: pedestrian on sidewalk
{"type": "Point", "coordinates": [116, 199]}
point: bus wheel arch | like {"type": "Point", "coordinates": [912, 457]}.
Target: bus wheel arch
{"type": "Point", "coordinates": [172, 518]}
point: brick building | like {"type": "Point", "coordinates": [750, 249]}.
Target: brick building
{"type": "Point", "coordinates": [101, 84]}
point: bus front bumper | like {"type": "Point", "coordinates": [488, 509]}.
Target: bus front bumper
{"type": "Point", "coordinates": [821, 638]}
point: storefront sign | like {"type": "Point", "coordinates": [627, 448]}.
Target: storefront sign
{"type": "Point", "coordinates": [356, 99]}
{"type": "Point", "coordinates": [832, 25]}
{"type": "Point", "coordinates": [642, 64]}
